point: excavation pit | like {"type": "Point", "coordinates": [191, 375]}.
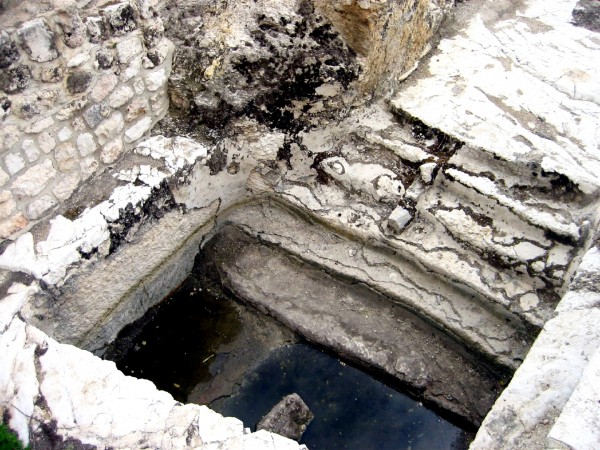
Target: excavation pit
{"type": "Point", "coordinates": [232, 338]}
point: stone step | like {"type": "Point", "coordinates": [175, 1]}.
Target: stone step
{"type": "Point", "coordinates": [458, 309]}
{"type": "Point", "coordinates": [356, 323]}
{"type": "Point", "coordinates": [577, 425]}
{"type": "Point", "coordinates": [427, 241]}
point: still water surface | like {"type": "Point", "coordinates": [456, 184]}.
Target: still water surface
{"type": "Point", "coordinates": [179, 344]}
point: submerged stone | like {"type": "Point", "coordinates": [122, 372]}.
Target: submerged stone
{"type": "Point", "coordinates": [289, 418]}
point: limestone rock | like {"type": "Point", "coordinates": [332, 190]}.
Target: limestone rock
{"type": "Point", "coordinates": [398, 219]}
{"type": "Point", "coordinates": [109, 128]}
{"type": "Point", "coordinates": [38, 40]}
{"type": "Point", "coordinates": [3, 177]}
{"type": "Point", "coordinates": [41, 206]}
{"type": "Point", "coordinates": [289, 418]}
{"type": "Point", "coordinates": [15, 80]}
{"type": "Point", "coordinates": [14, 163]}
{"type": "Point", "coordinates": [46, 142]}
{"type": "Point", "coordinates": [33, 180]}
{"type": "Point", "coordinates": [12, 225]}
{"type": "Point", "coordinates": [52, 74]}
{"type": "Point", "coordinates": [155, 80]}
{"type": "Point", "coordinates": [96, 114]}
{"type": "Point", "coordinates": [78, 82]}
{"type": "Point", "coordinates": [9, 53]}
{"type": "Point", "coordinates": [86, 144]}
{"type": "Point", "coordinates": [120, 18]}
{"type": "Point", "coordinates": [66, 185]}
{"type": "Point", "coordinates": [137, 130]}
{"type": "Point", "coordinates": [7, 204]}
{"type": "Point", "coordinates": [121, 96]}
{"type": "Point", "coordinates": [111, 151]}
{"type": "Point", "coordinates": [74, 30]}
{"type": "Point", "coordinates": [30, 149]}
{"type": "Point", "coordinates": [66, 157]}
{"type": "Point", "coordinates": [40, 125]}
{"type": "Point", "coordinates": [129, 49]}
{"type": "Point", "coordinates": [105, 58]}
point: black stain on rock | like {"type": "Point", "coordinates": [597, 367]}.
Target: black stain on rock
{"type": "Point", "coordinates": [13, 81]}
{"type": "Point", "coordinates": [161, 200]}
{"type": "Point", "coordinates": [121, 20]}
{"type": "Point", "coordinates": [47, 437]}
{"type": "Point", "coordinates": [78, 82]}
{"type": "Point", "coordinates": [586, 14]}
{"type": "Point", "coordinates": [9, 53]}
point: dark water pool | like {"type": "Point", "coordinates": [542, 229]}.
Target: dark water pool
{"type": "Point", "coordinates": [352, 410]}
{"type": "Point", "coordinates": [203, 346]}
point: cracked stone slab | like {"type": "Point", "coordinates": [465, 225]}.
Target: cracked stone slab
{"type": "Point", "coordinates": [474, 75]}
{"type": "Point", "coordinates": [495, 334]}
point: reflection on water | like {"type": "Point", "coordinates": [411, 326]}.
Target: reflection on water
{"type": "Point", "coordinates": [352, 410]}
{"type": "Point", "coordinates": [194, 338]}
{"type": "Point", "coordinates": [176, 344]}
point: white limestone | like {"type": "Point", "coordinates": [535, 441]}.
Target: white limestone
{"type": "Point", "coordinates": [176, 152]}
{"type": "Point", "coordinates": [86, 144]}
{"type": "Point", "coordinates": [120, 96]}
{"type": "Point", "coordinates": [33, 180]}
{"type": "Point", "coordinates": [578, 425]}
{"type": "Point", "coordinates": [109, 128]}
{"type": "Point", "coordinates": [137, 130]}
{"type": "Point", "coordinates": [14, 163]}
{"type": "Point", "coordinates": [129, 49]}
{"type": "Point", "coordinates": [481, 67]}
{"type": "Point", "coordinates": [39, 40]}
{"type": "Point", "coordinates": [155, 80]}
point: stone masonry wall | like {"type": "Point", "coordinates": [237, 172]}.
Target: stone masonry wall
{"type": "Point", "coordinates": [78, 87]}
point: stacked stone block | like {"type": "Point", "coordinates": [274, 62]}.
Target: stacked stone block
{"type": "Point", "coordinates": [77, 89]}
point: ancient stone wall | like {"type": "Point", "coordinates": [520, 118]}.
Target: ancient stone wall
{"type": "Point", "coordinates": [78, 86]}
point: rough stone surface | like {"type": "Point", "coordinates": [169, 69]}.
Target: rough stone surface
{"type": "Point", "coordinates": [33, 180]}
{"type": "Point", "coordinates": [111, 151]}
{"type": "Point", "coordinates": [120, 97]}
{"type": "Point", "coordinates": [492, 207]}
{"type": "Point", "coordinates": [86, 144]}
{"type": "Point", "coordinates": [109, 128]}
{"type": "Point", "coordinates": [9, 52]}
{"type": "Point", "coordinates": [137, 130]}
{"type": "Point", "coordinates": [40, 207]}
{"type": "Point", "coordinates": [15, 80]}
{"type": "Point", "coordinates": [38, 39]}
{"type": "Point", "coordinates": [65, 187]}
{"type": "Point", "coordinates": [103, 87]}
{"type": "Point", "coordinates": [14, 163]}
{"type": "Point", "coordinates": [78, 82]}
{"type": "Point", "coordinates": [66, 157]}
{"type": "Point", "coordinates": [129, 49]}
{"type": "Point", "coordinates": [288, 418]}
{"type": "Point", "coordinates": [587, 14]}
{"type": "Point", "coordinates": [12, 225]}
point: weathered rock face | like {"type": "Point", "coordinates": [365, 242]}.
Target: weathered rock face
{"type": "Point", "coordinates": [289, 418]}
{"type": "Point", "coordinates": [283, 65]}
{"type": "Point", "coordinates": [291, 67]}
{"type": "Point", "coordinates": [68, 74]}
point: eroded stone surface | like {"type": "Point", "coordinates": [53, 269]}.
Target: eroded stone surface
{"type": "Point", "coordinates": [288, 418]}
